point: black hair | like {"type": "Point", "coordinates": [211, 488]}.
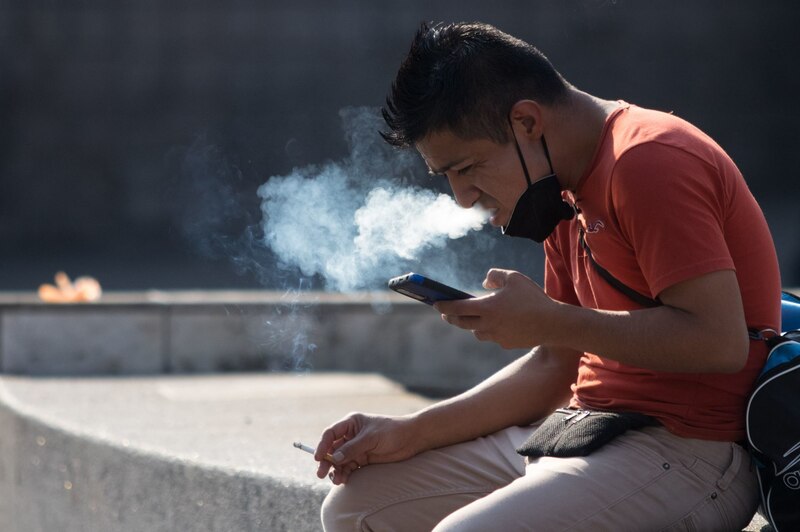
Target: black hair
{"type": "Point", "coordinates": [465, 77]}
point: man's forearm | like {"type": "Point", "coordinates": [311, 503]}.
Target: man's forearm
{"type": "Point", "coordinates": [683, 335]}
{"type": "Point", "coordinates": [699, 328]}
{"type": "Point", "coordinates": [522, 392]}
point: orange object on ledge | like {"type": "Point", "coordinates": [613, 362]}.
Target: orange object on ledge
{"type": "Point", "coordinates": [82, 290]}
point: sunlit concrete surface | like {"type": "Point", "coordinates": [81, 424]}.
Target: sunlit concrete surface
{"type": "Point", "coordinates": [200, 453]}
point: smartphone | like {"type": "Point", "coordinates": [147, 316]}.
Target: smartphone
{"type": "Point", "coordinates": [426, 290]}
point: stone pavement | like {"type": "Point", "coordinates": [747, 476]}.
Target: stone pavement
{"type": "Point", "coordinates": [172, 453]}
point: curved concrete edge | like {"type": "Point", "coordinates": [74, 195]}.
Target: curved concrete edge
{"type": "Point", "coordinates": [56, 475]}
{"type": "Point", "coordinates": [53, 479]}
{"type": "Point", "coordinates": [88, 486]}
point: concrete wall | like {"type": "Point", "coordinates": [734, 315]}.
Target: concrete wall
{"type": "Point", "coordinates": [103, 105]}
{"type": "Point", "coordinates": [129, 335]}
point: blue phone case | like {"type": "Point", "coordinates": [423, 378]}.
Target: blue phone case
{"type": "Point", "coordinates": [426, 290]}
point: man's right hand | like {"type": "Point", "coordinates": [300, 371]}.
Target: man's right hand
{"type": "Point", "coordinates": [362, 439]}
{"type": "Point", "coordinates": [525, 390]}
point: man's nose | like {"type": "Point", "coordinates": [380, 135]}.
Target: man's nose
{"type": "Point", "coordinates": [466, 195]}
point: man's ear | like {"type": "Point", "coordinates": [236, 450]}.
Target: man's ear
{"type": "Point", "coordinates": [526, 118]}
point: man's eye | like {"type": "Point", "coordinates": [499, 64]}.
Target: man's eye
{"type": "Point", "coordinates": [464, 170]}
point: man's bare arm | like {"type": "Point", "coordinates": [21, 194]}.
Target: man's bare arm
{"type": "Point", "coordinates": [524, 391]}
{"type": "Point", "coordinates": [699, 328]}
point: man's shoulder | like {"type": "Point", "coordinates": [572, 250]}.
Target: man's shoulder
{"type": "Point", "coordinates": [652, 129]}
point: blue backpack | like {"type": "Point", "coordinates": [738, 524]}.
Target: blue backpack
{"type": "Point", "coordinates": [773, 423]}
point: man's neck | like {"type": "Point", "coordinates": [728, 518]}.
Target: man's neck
{"type": "Point", "coordinates": [576, 128]}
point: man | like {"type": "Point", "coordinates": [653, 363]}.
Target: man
{"type": "Point", "coordinates": [663, 210]}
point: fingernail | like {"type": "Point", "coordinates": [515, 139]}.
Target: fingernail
{"type": "Point", "coordinates": [338, 456]}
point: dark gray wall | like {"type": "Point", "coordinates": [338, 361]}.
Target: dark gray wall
{"type": "Point", "coordinates": [101, 105]}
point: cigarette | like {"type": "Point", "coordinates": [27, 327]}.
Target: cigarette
{"type": "Point", "coordinates": [311, 450]}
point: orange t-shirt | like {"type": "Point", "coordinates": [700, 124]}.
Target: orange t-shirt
{"type": "Point", "coordinates": [662, 203]}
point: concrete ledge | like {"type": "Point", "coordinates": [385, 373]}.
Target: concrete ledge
{"type": "Point", "coordinates": [168, 454]}
{"type": "Point", "coordinates": [208, 332]}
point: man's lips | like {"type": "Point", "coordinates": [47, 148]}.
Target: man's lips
{"type": "Point", "coordinates": [492, 211]}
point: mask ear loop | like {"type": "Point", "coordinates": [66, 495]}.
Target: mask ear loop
{"type": "Point", "coordinates": [519, 153]}
{"type": "Point", "coordinates": [522, 159]}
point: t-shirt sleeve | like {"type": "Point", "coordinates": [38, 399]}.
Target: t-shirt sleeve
{"type": "Point", "coordinates": [669, 205]}
{"type": "Point", "coordinates": [557, 278]}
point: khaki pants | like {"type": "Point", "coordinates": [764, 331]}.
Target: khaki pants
{"type": "Point", "coordinates": [643, 480]}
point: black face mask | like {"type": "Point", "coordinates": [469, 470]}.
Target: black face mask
{"type": "Point", "coordinates": [540, 208]}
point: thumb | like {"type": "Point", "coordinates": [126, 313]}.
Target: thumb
{"type": "Point", "coordinates": [496, 279]}
{"type": "Point", "coordinates": [348, 452]}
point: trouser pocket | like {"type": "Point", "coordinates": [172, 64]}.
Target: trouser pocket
{"type": "Point", "coordinates": [730, 497]}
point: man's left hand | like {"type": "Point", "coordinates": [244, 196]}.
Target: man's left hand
{"type": "Point", "coordinates": [517, 314]}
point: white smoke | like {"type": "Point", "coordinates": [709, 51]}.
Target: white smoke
{"type": "Point", "coordinates": [357, 222]}
{"type": "Point", "coordinates": [402, 222]}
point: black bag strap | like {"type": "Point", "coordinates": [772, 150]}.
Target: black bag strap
{"type": "Point", "coordinates": [632, 294]}
{"type": "Point", "coordinates": [635, 296]}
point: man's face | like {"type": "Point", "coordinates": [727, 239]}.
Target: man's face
{"type": "Point", "coordinates": [480, 172]}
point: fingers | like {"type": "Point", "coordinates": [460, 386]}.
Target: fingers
{"type": "Point", "coordinates": [340, 469]}
{"type": "Point", "coordinates": [336, 474]}
{"type": "Point", "coordinates": [326, 468]}
{"type": "Point", "coordinates": [336, 444]}
{"type": "Point", "coordinates": [336, 435]}
{"type": "Point", "coordinates": [469, 323]}
{"type": "Point", "coordinates": [496, 278]}
{"type": "Point", "coordinates": [323, 468]}
{"type": "Point", "coordinates": [479, 327]}
{"type": "Point", "coordinates": [341, 475]}
{"type": "Point", "coordinates": [459, 307]}
{"type": "Point", "coordinates": [331, 440]}
{"type": "Point", "coordinates": [464, 313]}
{"type": "Point", "coordinates": [362, 439]}
{"type": "Point", "coordinates": [328, 458]}
{"type": "Point", "coordinates": [496, 317]}
{"type": "Point", "coordinates": [351, 452]}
